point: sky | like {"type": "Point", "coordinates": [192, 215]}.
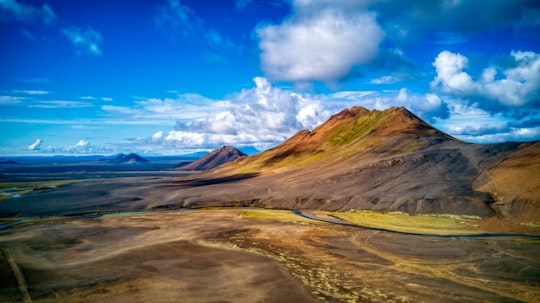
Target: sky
{"type": "Point", "coordinates": [173, 77]}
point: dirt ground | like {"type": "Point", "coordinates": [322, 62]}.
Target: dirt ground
{"type": "Point", "coordinates": [227, 256]}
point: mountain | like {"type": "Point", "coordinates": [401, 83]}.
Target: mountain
{"type": "Point", "coordinates": [127, 159]}
{"type": "Point", "coordinates": [214, 159]}
{"type": "Point", "coordinates": [345, 136]}
{"type": "Point", "coordinates": [387, 160]}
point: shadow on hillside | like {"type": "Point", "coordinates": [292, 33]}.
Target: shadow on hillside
{"type": "Point", "coordinates": [212, 181]}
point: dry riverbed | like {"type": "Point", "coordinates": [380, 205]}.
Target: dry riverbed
{"type": "Point", "coordinates": [239, 255]}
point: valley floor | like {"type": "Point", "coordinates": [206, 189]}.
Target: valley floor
{"type": "Point", "coordinates": [249, 255]}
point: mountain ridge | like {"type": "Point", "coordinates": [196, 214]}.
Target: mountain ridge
{"type": "Point", "coordinates": [387, 160]}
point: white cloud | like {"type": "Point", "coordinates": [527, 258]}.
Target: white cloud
{"type": "Point", "coordinates": [319, 43]}
{"type": "Point", "coordinates": [11, 99]}
{"type": "Point", "coordinates": [13, 9]}
{"type": "Point", "coordinates": [387, 79]}
{"type": "Point", "coordinates": [35, 146]}
{"type": "Point", "coordinates": [450, 75]}
{"type": "Point", "coordinates": [59, 104]}
{"type": "Point", "coordinates": [262, 116]}
{"type": "Point", "coordinates": [29, 92]}
{"type": "Point", "coordinates": [82, 143]}
{"type": "Point", "coordinates": [85, 41]}
{"type": "Point", "coordinates": [184, 107]}
{"type": "Point", "coordinates": [157, 136]}
{"type": "Point", "coordinates": [512, 86]}
{"type": "Point", "coordinates": [94, 98]}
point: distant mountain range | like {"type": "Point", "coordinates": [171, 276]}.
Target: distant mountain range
{"type": "Point", "coordinates": [387, 160]}
{"type": "Point", "coordinates": [126, 159]}
{"type": "Point", "coordinates": [214, 159]}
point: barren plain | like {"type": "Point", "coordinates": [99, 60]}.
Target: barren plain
{"type": "Point", "coordinates": [254, 255]}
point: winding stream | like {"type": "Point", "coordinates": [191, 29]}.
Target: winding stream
{"type": "Point", "coordinates": [482, 235]}
{"type": "Point", "coordinates": [296, 212]}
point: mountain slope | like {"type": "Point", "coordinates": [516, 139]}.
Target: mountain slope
{"type": "Point", "coordinates": [359, 159]}
{"type": "Point", "coordinates": [514, 183]}
{"type": "Point", "coordinates": [345, 135]}
{"type": "Point", "coordinates": [128, 159]}
{"type": "Point", "coordinates": [214, 159]}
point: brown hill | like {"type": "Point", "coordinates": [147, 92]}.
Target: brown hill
{"type": "Point", "coordinates": [359, 159]}
{"type": "Point", "coordinates": [514, 183]}
{"type": "Point", "coordinates": [214, 159]}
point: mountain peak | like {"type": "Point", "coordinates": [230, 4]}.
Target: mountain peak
{"type": "Point", "coordinates": [215, 158]}
{"type": "Point", "coordinates": [349, 133]}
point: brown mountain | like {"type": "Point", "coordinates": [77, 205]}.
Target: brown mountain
{"type": "Point", "coordinates": [379, 160]}
{"type": "Point", "coordinates": [214, 159]}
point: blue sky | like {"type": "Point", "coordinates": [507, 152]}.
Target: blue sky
{"type": "Point", "coordinates": [173, 77]}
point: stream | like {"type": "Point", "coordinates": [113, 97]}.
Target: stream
{"type": "Point", "coordinates": [296, 212]}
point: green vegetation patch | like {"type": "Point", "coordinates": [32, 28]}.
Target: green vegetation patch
{"type": "Point", "coordinates": [440, 224]}
{"type": "Point", "coordinates": [17, 189]}
{"type": "Point", "coordinates": [348, 132]}
{"type": "Point", "coordinates": [531, 224]}
{"type": "Point", "coordinates": [274, 215]}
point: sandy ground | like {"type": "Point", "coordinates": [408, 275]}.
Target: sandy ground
{"type": "Point", "coordinates": [224, 256]}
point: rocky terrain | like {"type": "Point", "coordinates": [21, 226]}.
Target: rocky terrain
{"type": "Point", "coordinates": [379, 160]}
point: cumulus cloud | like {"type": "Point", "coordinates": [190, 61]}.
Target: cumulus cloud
{"type": "Point", "coordinates": [510, 87]}
{"type": "Point", "coordinates": [329, 41]}
{"type": "Point", "coordinates": [16, 10]}
{"type": "Point", "coordinates": [261, 116]}
{"type": "Point", "coordinates": [36, 145]}
{"type": "Point", "coordinates": [450, 75]}
{"type": "Point", "coordinates": [473, 124]}
{"type": "Point", "coordinates": [86, 42]}
{"type": "Point", "coordinates": [319, 42]}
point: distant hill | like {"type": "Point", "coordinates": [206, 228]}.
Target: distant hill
{"type": "Point", "coordinates": [214, 159]}
{"type": "Point", "coordinates": [9, 162]}
{"type": "Point", "coordinates": [127, 159]}
{"type": "Point", "coordinates": [387, 160]}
